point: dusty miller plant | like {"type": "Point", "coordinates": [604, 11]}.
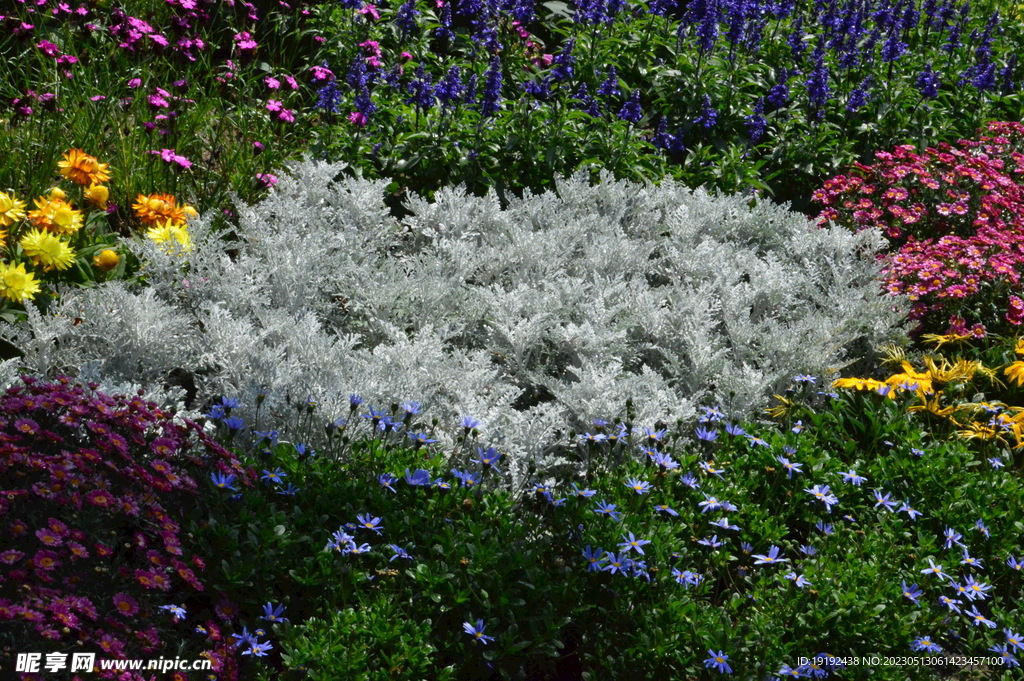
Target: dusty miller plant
{"type": "Point", "coordinates": [535, 320]}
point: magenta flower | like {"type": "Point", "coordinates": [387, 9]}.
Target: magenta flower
{"type": "Point", "coordinates": [371, 10]}
{"type": "Point", "coordinates": [48, 48]}
{"type": "Point", "coordinates": [46, 560]}
{"type": "Point", "coordinates": [266, 179]}
{"type": "Point", "coordinates": [357, 118]}
{"type": "Point", "coordinates": [287, 115]}
{"type": "Point", "coordinates": [101, 498]}
{"type": "Point", "coordinates": [274, 106]}
{"type": "Point", "coordinates": [245, 41]}
{"type": "Point", "coordinates": [171, 156]}
{"type": "Point", "coordinates": [272, 83]}
{"type": "Point", "coordinates": [134, 83]}
{"type": "Point", "coordinates": [291, 82]}
{"type": "Point", "coordinates": [125, 604]}
{"type": "Point", "coordinates": [322, 73]}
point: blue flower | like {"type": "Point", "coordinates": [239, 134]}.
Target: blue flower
{"type": "Point", "coordinates": [585, 493]}
{"type": "Point", "coordinates": [1015, 564]}
{"type": "Point", "coordinates": [689, 481]}
{"type": "Point", "coordinates": [710, 469]}
{"type": "Point", "coordinates": [176, 610]}
{"type": "Point", "coordinates": [604, 508]}
{"type": "Point", "coordinates": [925, 644]}
{"type": "Point", "coordinates": [468, 422]}
{"type": "Point", "coordinates": [399, 553]}
{"type": "Point", "coordinates": [367, 522]}
{"type": "Point", "coordinates": [791, 672]}
{"type": "Point", "coordinates": [420, 438]}
{"type": "Point", "coordinates": [488, 458]}
{"type": "Point", "coordinates": [420, 477]}
{"type": "Point", "coordinates": [823, 527]}
{"type": "Point", "coordinates": [712, 414]}
{"type": "Point", "coordinates": [223, 481]}
{"type": "Point", "coordinates": [269, 436]}
{"type": "Point", "coordinates": [272, 613]}
{"type": "Point", "coordinates": [631, 111]}
{"type": "Point", "coordinates": [799, 580]}
{"type": "Point", "coordinates": [491, 102]}
{"type": "Point", "coordinates": [385, 479]}
{"type": "Point", "coordinates": [233, 423]}
{"type": "Point", "coordinates": [354, 401]}
{"type": "Point", "coordinates": [289, 490]}
{"type": "Point", "coordinates": [851, 477]}
{"type": "Point", "coordinates": [950, 603]}
{"type": "Point", "coordinates": [1015, 640]}
{"type": "Point", "coordinates": [257, 649]}
{"type": "Point", "coordinates": [881, 500]}
{"type": "Point", "coordinates": [616, 563]}
{"type": "Point", "coordinates": [724, 524]}
{"type": "Point", "coordinates": [466, 478]}
{"type": "Point", "coordinates": [638, 486]}
{"type": "Point", "coordinates": [706, 434]}
{"type": "Point", "coordinates": [594, 558]}
{"type": "Point", "coordinates": [790, 466]}
{"type": "Point", "coordinates": [911, 592]}
{"type": "Point", "coordinates": [711, 543]}
{"type": "Point", "coordinates": [632, 542]}
{"type": "Point", "coordinates": [229, 403]}
{"type": "Point", "coordinates": [216, 412]}
{"type": "Point", "coordinates": [274, 476]}
{"type": "Point", "coordinates": [718, 661]}
{"type": "Point", "coordinates": [477, 632]}
{"type": "Point", "coordinates": [1009, 660]}
{"type": "Point", "coordinates": [610, 86]}
{"type": "Point", "coordinates": [979, 619]}
{"type": "Point", "coordinates": [952, 537]}
{"type": "Point", "coordinates": [771, 558]}
{"type": "Point", "coordinates": [664, 508]}
{"type": "Point", "coordinates": [710, 503]}
{"type": "Point", "coordinates": [805, 379]}
{"type": "Point", "coordinates": [912, 512]}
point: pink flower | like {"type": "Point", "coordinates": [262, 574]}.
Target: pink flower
{"type": "Point", "coordinates": [357, 118]}
{"type": "Point", "coordinates": [287, 115]}
{"type": "Point", "coordinates": [291, 82]}
{"type": "Point", "coordinates": [48, 48]}
{"type": "Point", "coordinates": [321, 73]}
{"type": "Point", "coordinates": [266, 179]}
{"type": "Point", "coordinates": [245, 41]}
{"type": "Point", "coordinates": [274, 106]}
{"type": "Point", "coordinates": [371, 47]}
{"type": "Point", "coordinates": [1015, 311]}
{"type": "Point", "coordinates": [134, 83]}
{"type": "Point", "coordinates": [170, 156]}
{"type": "Point", "coordinates": [406, 55]}
{"type": "Point", "coordinates": [125, 604]}
{"type": "Point", "coordinates": [371, 10]}
{"type": "Point", "coordinates": [258, 147]}
{"type": "Point", "coordinates": [272, 83]}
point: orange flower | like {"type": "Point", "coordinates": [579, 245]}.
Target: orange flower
{"type": "Point", "coordinates": [159, 208]}
{"type": "Point", "coordinates": [83, 169]}
{"type": "Point", "coordinates": [54, 215]}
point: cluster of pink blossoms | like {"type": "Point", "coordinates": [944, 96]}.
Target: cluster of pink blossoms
{"type": "Point", "coordinates": [954, 216]}
{"type": "Point", "coordinates": [95, 485]}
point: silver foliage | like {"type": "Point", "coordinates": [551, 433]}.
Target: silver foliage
{"type": "Point", "coordinates": [535, 320]}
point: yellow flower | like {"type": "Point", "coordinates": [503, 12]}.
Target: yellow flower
{"type": "Point", "coordinates": [106, 260]}
{"type": "Point", "coordinates": [11, 209]}
{"type": "Point", "coordinates": [169, 232]}
{"type": "Point", "coordinates": [83, 169]}
{"type": "Point", "coordinates": [97, 194]}
{"type": "Point", "coordinates": [47, 251]}
{"type": "Point", "coordinates": [1020, 347]}
{"type": "Point", "coordinates": [16, 284]}
{"type": "Point", "coordinates": [857, 383]}
{"type": "Point", "coordinates": [1015, 372]}
{"type": "Point", "coordinates": [158, 208]}
{"type": "Point", "coordinates": [56, 194]}
{"type": "Point", "coordinates": [908, 377]}
{"type": "Point", "coordinates": [56, 216]}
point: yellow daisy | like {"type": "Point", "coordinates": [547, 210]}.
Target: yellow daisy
{"type": "Point", "coordinates": [1015, 372]}
{"type": "Point", "coordinates": [11, 209]}
{"type": "Point", "coordinates": [47, 251]}
{"type": "Point", "coordinates": [83, 169]}
{"type": "Point", "coordinates": [16, 284]}
{"type": "Point", "coordinates": [168, 232]}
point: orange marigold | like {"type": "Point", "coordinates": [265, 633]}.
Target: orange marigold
{"type": "Point", "coordinates": [157, 209]}
{"type": "Point", "coordinates": [83, 169]}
